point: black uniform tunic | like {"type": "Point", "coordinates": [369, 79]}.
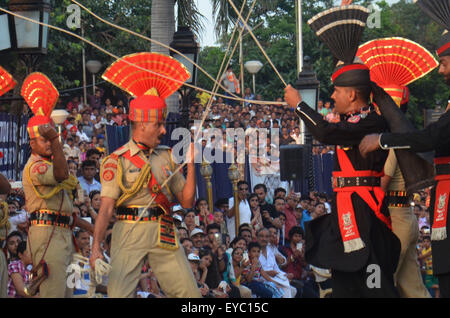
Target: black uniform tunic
{"type": "Point", "coordinates": [435, 136]}
{"type": "Point", "coordinates": [324, 245]}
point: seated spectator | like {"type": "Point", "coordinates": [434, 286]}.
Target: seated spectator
{"type": "Point", "coordinates": [274, 245]}
{"type": "Point", "coordinates": [235, 267]}
{"type": "Point", "coordinates": [187, 245]}
{"type": "Point", "coordinates": [182, 232]}
{"type": "Point", "coordinates": [295, 262]}
{"type": "Point", "coordinates": [279, 193]}
{"type": "Point", "coordinates": [82, 238]}
{"type": "Point", "coordinates": [189, 221]}
{"type": "Point", "coordinates": [201, 208]}
{"type": "Point", "coordinates": [305, 205]}
{"type": "Point", "coordinates": [194, 261]}
{"type": "Point", "coordinates": [319, 210]}
{"type": "Point", "coordinates": [246, 234]}
{"type": "Point", "coordinates": [12, 242]}
{"type": "Point", "coordinates": [256, 221]}
{"type": "Point", "coordinates": [18, 273]}
{"type": "Point", "coordinates": [93, 204]}
{"type": "Point", "coordinates": [255, 278]}
{"type": "Point", "coordinates": [323, 199]}
{"type": "Point", "coordinates": [218, 218]}
{"type": "Point", "coordinates": [213, 277]}
{"type": "Point", "coordinates": [87, 181]}
{"type": "Point", "coordinates": [289, 210]}
{"type": "Point", "coordinates": [197, 236]}
{"type": "Point", "coordinates": [270, 266]}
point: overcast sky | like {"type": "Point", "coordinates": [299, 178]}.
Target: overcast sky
{"type": "Point", "coordinates": [208, 37]}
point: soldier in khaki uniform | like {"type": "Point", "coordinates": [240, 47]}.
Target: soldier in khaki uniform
{"type": "Point", "coordinates": [132, 175]}
{"type": "Point", "coordinates": [48, 186]}
{"type": "Point", "coordinates": [6, 83]}
{"type": "Point", "coordinates": [5, 187]}
{"type": "Point", "coordinates": [408, 277]}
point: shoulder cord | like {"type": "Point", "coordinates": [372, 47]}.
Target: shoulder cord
{"type": "Point", "coordinates": [144, 178]}
{"type": "Point", "coordinates": [4, 221]}
{"type": "Point", "coordinates": [69, 184]}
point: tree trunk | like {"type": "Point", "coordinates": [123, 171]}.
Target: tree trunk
{"type": "Point", "coordinates": [163, 28]}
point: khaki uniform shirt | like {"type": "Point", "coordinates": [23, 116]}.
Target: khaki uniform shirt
{"type": "Point", "coordinates": [41, 175]}
{"type": "Point", "coordinates": [392, 170]}
{"type": "Point", "coordinates": [162, 167]}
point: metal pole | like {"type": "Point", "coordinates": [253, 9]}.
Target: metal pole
{"type": "Point", "coordinates": [93, 85]}
{"type": "Point", "coordinates": [241, 61]}
{"type": "Point", "coordinates": [298, 13]}
{"type": "Point", "coordinates": [237, 220]}
{"type": "Point", "coordinates": [254, 85]}
{"type": "Point", "coordinates": [84, 70]}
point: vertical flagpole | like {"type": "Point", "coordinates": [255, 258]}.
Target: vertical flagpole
{"type": "Point", "coordinates": [298, 14]}
{"type": "Point", "coordinates": [84, 71]}
{"type": "Point", "coordinates": [241, 61]}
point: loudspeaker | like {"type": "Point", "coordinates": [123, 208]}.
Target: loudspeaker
{"type": "Point", "coordinates": [295, 162]}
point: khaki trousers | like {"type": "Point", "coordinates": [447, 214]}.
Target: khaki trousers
{"type": "Point", "coordinates": [408, 278]}
{"type": "Point", "coordinates": [3, 276]}
{"type": "Point", "coordinates": [170, 267]}
{"type": "Point", "coordinates": [58, 258]}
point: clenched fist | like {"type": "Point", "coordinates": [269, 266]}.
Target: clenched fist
{"type": "Point", "coordinates": [368, 144]}
{"type": "Point", "coordinates": [48, 132]}
{"type": "Point", "coordinates": [292, 96]}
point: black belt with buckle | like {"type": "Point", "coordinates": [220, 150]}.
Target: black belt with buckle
{"type": "Point", "coordinates": [48, 217]}
{"type": "Point", "coordinates": [443, 169]}
{"type": "Point", "coordinates": [342, 182]}
{"type": "Point", "coordinates": [132, 214]}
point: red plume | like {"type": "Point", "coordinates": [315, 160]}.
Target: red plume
{"type": "Point", "coordinates": [395, 63]}
{"type": "Point", "coordinates": [129, 73]}
{"type": "Point", "coordinates": [6, 81]}
{"type": "Point", "coordinates": [40, 94]}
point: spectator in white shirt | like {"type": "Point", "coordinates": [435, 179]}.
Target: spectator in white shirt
{"type": "Point", "coordinates": [87, 181]}
{"type": "Point", "coordinates": [295, 134]}
{"type": "Point", "coordinates": [269, 265]}
{"type": "Point", "coordinates": [245, 213]}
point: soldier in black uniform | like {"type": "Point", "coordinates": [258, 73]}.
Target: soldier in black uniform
{"type": "Point", "coordinates": [355, 240]}
{"type": "Point", "coordinates": [436, 137]}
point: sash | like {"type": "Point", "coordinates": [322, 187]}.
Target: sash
{"type": "Point", "coordinates": [166, 229]}
{"type": "Point", "coordinates": [346, 214]}
{"type": "Point", "coordinates": [439, 227]}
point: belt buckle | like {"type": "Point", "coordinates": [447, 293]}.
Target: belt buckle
{"type": "Point", "coordinates": [341, 182]}
{"type": "Point", "coordinates": [139, 211]}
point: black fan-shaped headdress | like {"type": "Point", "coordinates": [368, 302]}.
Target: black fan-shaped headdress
{"type": "Point", "coordinates": [439, 11]}
{"type": "Point", "coordinates": [341, 29]}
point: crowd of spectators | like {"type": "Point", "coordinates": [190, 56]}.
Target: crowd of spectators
{"type": "Point", "coordinates": [265, 258]}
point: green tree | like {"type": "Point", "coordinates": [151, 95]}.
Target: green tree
{"type": "Point", "coordinates": [63, 62]}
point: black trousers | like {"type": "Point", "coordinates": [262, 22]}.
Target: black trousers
{"type": "Point", "coordinates": [444, 285]}
{"type": "Point", "coordinates": [364, 283]}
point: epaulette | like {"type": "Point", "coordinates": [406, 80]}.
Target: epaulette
{"type": "Point", "coordinates": [120, 151]}
{"type": "Point", "coordinates": [162, 147]}
{"type": "Point", "coordinates": [115, 155]}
